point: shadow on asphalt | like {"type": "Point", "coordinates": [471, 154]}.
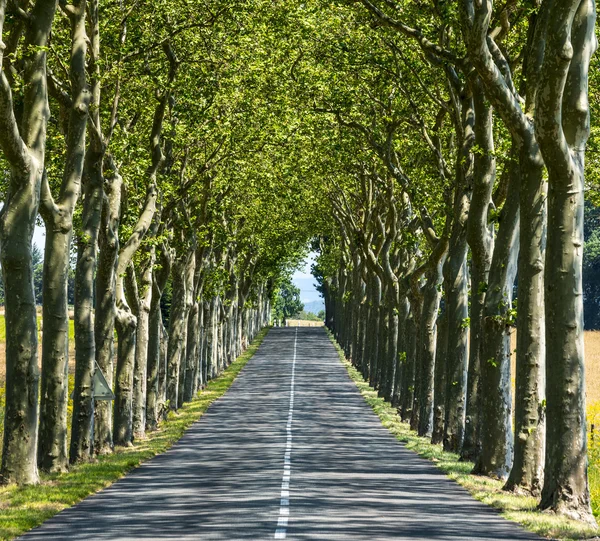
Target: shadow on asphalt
{"type": "Point", "coordinates": [350, 478]}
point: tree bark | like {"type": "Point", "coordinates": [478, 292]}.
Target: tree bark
{"type": "Point", "coordinates": [58, 219]}
{"type": "Point", "coordinates": [562, 129]}
{"type": "Point", "coordinates": [177, 321]}
{"type": "Point", "coordinates": [104, 325]}
{"type": "Point", "coordinates": [496, 456]}
{"type": "Point", "coordinates": [126, 326]}
{"type": "Point", "coordinates": [527, 470]}
{"type": "Point", "coordinates": [23, 146]}
{"type": "Point", "coordinates": [87, 242]}
{"type": "Point", "coordinates": [155, 338]}
{"type": "Point", "coordinates": [439, 394]}
{"type": "Point", "coordinates": [85, 348]}
{"type": "Point", "coordinates": [431, 304]}
{"type": "Point", "coordinates": [140, 369]}
{"type": "Point", "coordinates": [481, 242]}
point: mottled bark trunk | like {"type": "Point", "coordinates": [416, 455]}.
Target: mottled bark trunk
{"type": "Point", "coordinates": [480, 237]}
{"type": "Point", "coordinates": [104, 324]}
{"type": "Point", "coordinates": [439, 394]}
{"type": "Point", "coordinates": [163, 371]}
{"type": "Point", "coordinates": [456, 287]}
{"type": "Point", "coordinates": [403, 312]}
{"type": "Point", "coordinates": [177, 322]}
{"type": "Point", "coordinates": [156, 359]}
{"type": "Point", "coordinates": [81, 445]}
{"type": "Point", "coordinates": [527, 469]}
{"type": "Point", "coordinates": [23, 146]}
{"type": "Point", "coordinates": [184, 371]}
{"type": "Point", "coordinates": [126, 325]}
{"type": "Point", "coordinates": [142, 339]}
{"type": "Point", "coordinates": [562, 129]}
{"type": "Point", "coordinates": [19, 460]}
{"type": "Point", "coordinates": [416, 349]}
{"type": "Point", "coordinates": [383, 341]}
{"type": "Point", "coordinates": [58, 219]}
{"type": "Point", "coordinates": [374, 325]}
{"type": "Point", "coordinates": [456, 282]}
{"type": "Point", "coordinates": [407, 394]}
{"type": "Point", "coordinates": [392, 353]}
{"type": "Point", "coordinates": [431, 304]}
{"type": "Point", "coordinates": [85, 347]}
{"type": "Point", "coordinates": [52, 437]}
{"type": "Point", "coordinates": [495, 458]}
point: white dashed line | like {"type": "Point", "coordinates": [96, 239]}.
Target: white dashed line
{"type": "Point", "coordinates": [284, 510]}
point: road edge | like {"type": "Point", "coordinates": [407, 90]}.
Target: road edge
{"type": "Point", "coordinates": [518, 508]}
{"type": "Point", "coordinates": [24, 508]}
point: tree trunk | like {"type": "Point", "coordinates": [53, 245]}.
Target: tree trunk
{"type": "Point", "coordinates": [104, 325]}
{"type": "Point", "coordinates": [431, 304]}
{"type": "Point", "coordinates": [58, 219]}
{"type": "Point", "coordinates": [156, 360]}
{"type": "Point", "coordinates": [439, 394]}
{"type": "Point", "coordinates": [495, 458]}
{"type": "Point", "coordinates": [85, 348]}
{"type": "Point", "coordinates": [374, 325]}
{"type": "Point", "coordinates": [188, 292]}
{"type": "Point", "coordinates": [562, 129]}
{"type": "Point", "coordinates": [480, 237]}
{"type": "Point", "coordinates": [52, 437]}
{"type": "Point", "coordinates": [191, 363]}
{"type": "Point", "coordinates": [140, 370]}
{"type": "Point", "coordinates": [527, 469]}
{"type": "Point", "coordinates": [81, 446]}
{"type": "Point", "coordinates": [177, 321]}
{"type": "Point", "coordinates": [416, 349]}
{"type": "Point", "coordinates": [126, 324]}
{"type": "Point", "coordinates": [456, 288]}
{"type": "Point", "coordinates": [408, 360]}
{"type": "Point", "coordinates": [19, 460]}
{"type": "Point", "coordinates": [23, 145]}
{"type": "Point", "coordinates": [403, 313]}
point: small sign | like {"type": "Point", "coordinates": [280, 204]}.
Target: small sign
{"type": "Point", "coordinates": [100, 388]}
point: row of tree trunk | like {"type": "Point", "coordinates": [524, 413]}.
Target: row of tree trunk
{"type": "Point", "coordinates": [135, 238]}
{"type": "Point", "coordinates": [424, 307]}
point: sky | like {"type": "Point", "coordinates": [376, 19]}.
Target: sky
{"type": "Point", "coordinates": [306, 282]}
{"type": "Point", "coordinates": [39, 237]}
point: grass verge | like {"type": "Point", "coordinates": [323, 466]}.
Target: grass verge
{"type": "Point", "coordinates": [23, 508]}
{"type": "Point", "coordinates": [518, 508]}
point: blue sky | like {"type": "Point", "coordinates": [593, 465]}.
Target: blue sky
{"type": "Point", "coordinates": [306, 282]}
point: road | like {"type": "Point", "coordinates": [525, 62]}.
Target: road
{"type": "Point", "coordinates": [291, 451]}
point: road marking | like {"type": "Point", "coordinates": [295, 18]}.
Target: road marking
{"type": "Point", "coordinates": [284, 509]}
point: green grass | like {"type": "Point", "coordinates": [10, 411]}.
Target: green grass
{"type": "Point", "coordinates": [39, 319]}
{"type": "Point", "coordinates": [23, 508]}
{"type": "Point", "coordinates": [518, 508]}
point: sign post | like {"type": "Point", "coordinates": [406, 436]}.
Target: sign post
{"type": "Point", "coordinates": [100, 391]}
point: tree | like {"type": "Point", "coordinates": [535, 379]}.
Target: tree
{"type": "Point", "coordinates": [562, 128]}
{"type": "Point", "coordinates": [287, 302]}
{"type": "Point", "coordinates": [23, 142]}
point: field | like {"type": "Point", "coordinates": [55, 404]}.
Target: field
{"type": "Point", "coordinates": [304, 323]}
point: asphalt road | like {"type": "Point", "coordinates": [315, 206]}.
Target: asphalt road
{"type": "Point", "coordinates": [291, 451]}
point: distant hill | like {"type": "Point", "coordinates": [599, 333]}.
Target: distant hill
{"type": "Point", "coordinates": [314, 307]}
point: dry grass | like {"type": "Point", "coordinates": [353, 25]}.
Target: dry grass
{"type": "Point", "coordinates": [592, 365]}
{"type": "Point", "coordinates": [304, 323]}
